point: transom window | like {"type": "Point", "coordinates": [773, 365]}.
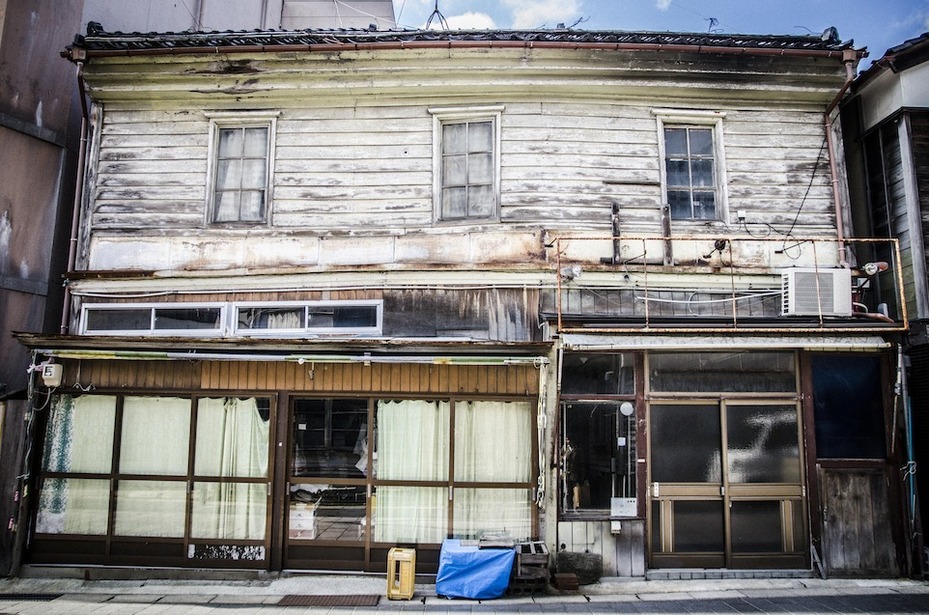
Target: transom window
{"type": "Point", "coordinates": [692, 165]}
{"type": "Point", "coordinates": [241, 164]}
{"type": "Point", "coordinates": [467, 163]}
{"type": "Point", "coordinates": [356, 317]}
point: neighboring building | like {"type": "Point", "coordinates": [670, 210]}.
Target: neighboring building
{"type": "Point", "coordinates": [205, 15]}
{"type": "Point", "coordinates": [39, 117]}
{"type": "Point", "coordinates": [886, 124]}
{"type": "Point", "coordinates": [338, 291]}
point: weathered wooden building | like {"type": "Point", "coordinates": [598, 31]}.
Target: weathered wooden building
{"type": "Point", "coordinates": [341, 290]}
{"type": "Point", "coordinates": [886, 126]}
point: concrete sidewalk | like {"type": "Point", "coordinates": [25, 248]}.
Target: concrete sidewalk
{"type": "Point", "coordinates": [50, 596]}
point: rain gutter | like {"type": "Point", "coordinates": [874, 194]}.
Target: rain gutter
{"type": "Point", "coordinates": [79, 57]}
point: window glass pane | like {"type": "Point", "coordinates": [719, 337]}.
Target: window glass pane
{"type": "Point", "coordinates": [702, 173]}
{"type": "Point", "coordinates": [701, 141]}
{"type": "Point", "coordinates": [705, 372]}
{"type": "Point", "coordinates": [848, 407]}
{"type": "Point", "coordinates": [493, 441]}
{"type": "Point", "coordinates": [598, 455]}
{"type": "Point", "coordinates": [79, 434]}
{"type": "Point", "coordinates": [129, 319]}
{"type": "Point", "coordinates": [481, 202]}
{"type": "Point", "coordinates": [252, 209]}
{"type": "Point", "coordinates": [679, 203]}
{"type": "Point", "coordinates": [763, 444]}
{"type": "Point", "coordinates": [330, 437]}
{"type": "Point", "coordinates": [455, 138]}
{"type": "Point", "coordinates": [454, 203]}
{"type": "Point", "coordinates": [232, 437]}
{"type": "Point", "coordinates": [480, 169]}
{"type": "Point", "coordinates": [417, 515]}
{"type": "Point", "coordinates": [455, 171]}
{"type": "Point", "coordinates": [254, 174]}
{"type": "Point", "coordinates": [756, 527]}
{"type": "Point", "coordinates": [231, 511]}
{"type": "Point", "coordinates": [412, 440]}
{"type": "Point", "coordinates": [686, 444]}
{"type": "Point", "coordinates": [196, 318]}
{"type": "Point", "coordinates": [327, 512]}
{"type": "Point", "coordinates": [602, 374]}
{"type": "Point", "coordinates": [480, 137]}
{"type": "Point", "coordinates": [150, 508]}
{"type": "Point", "coordinates": [256, 142]}
{"type": "Point", "coordinates": [155, 435]}
{"type": "Point", "coordinates": [675, 142]}
{"type": "Point", "coordinates": [698, 526]}
{"type": "Point", "coordinates": [480, 511]}
{"type": "Point", "coordinates": [73, 506]}
{"type": "Point", "coordinates": [228, 174]}
{"type": "Point", "coordinates": [704, 205]}
{"type": "Point", "coordinates": [226, 207]}
{"type": "Point", "coordinates": [272, 318]}
{"type": "Point", "coordinates": [230, 142]}
{"type": "Point", "coordinates": [354, 316]}
{"type": "Point", "coordinates": [678, 173]}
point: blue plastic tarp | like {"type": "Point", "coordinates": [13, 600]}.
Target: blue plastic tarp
{"type": "Point", "coordinates": [469, 572]}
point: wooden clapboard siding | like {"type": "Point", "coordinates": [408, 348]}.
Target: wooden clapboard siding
{"type": "Point", "coordinates": [919, 135]}
{"type": "Point", "coordinates": [623, 554]}
{"type": "Point", "coordinates": [368, 169]}
{"type": "Point", "coordinates": [217, 377]}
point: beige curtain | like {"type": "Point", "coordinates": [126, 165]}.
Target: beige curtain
{"type": "Point", "coordinates": [412, 444]}
{"type": "Point", "coordinates": [232, 441]}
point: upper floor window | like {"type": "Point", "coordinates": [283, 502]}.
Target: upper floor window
{"type": "Point", "coordinates": [692, 169]}
{"type": "Point", "coordinates": [467, 163]}
{"type": "Point", "coordinates": [241, 168]}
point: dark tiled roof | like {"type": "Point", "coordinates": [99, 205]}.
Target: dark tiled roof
{"type": "Point", "coordinates": [97, 39]}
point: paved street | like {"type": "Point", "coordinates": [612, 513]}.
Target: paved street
{"type": "Point", "coordinates": [51, 596]}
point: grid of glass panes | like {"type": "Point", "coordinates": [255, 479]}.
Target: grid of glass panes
{"type": "Point", "coordinates": [241, 181]}
{"type": "Point", "coordinates": [690, 166]}
{"type": "Point", "coordinates": [468, 170]}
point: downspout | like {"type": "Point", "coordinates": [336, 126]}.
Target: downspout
{"type": "Point", "coordinates": [78, 194]}
{"type": "Point", "coordinates": [850, 59]}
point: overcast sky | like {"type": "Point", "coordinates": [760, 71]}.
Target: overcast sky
{"type": "Point", "coordinates": [877, 25]}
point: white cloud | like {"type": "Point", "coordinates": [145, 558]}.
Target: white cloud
{"type": "Point", "coordinates": [663, 5]}
{"type": "Point", "coordinates": [536, 13]}
{"type": "Point", "coordinates": [468, 21]}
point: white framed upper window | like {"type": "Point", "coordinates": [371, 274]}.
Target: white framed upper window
{"type": "Point", "coordinates": [466, 150]}
{"type": "Point", "coordinates": [266, 318]}
{"type": "Point", "coordinates": [357, 317]}
{"type": "Point", "coordinates": [693, 182]}
{"type": "Point", "coordinates": [241, 158]}
{"type": "Point", "coordinates": [163, 319]}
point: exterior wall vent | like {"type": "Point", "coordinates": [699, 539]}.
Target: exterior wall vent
{"type": "Point", "coordinates": [803, 295]}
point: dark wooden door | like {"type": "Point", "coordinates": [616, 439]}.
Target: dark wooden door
{"type": "Point", "coordinates": [857, 537]}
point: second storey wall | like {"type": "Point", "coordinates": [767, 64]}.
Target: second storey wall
{"type": "Point", "coordinates": [341, 172]}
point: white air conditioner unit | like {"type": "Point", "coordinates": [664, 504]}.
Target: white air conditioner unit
{"type": "Point", "coordinates": [814, 292]}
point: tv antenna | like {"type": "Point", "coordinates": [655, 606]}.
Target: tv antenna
{"type": "Point", "coordinates": [437, 13]}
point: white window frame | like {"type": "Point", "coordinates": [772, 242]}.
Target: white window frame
{"type": "Point", "coordinates": [255, 119]}
{"type": "Point", "coordinates": [152, 307]}
{"type": "Point", "coordinates": [307, 331]}
{"type": "Point", "coordinates": [689, 118]}
{"type": "Point", "coordinates": [448, 115]}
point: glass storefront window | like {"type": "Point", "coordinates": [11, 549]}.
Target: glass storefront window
{"type": "Point", "coordinates": [330, 438]}
{"type": "Point", "coordinates": [763, 445]}
{"type": "Point", "coordinates": [73, 506]}
{"type": "Point", "coordinates": [232, 437]}
{"type": "Point", "coordinates": [327, 512]}
{"type": "Point", "coordinates": [79, 434]}
{"type": "Point", "coordinates": [408, 514]}
{"type": "Point", "coordinates": [598, 454]}
{"type": "Point", "coordinates": [493, 441]}
{"type": "Point", "coordinates": [412, 440]}
{"type": "Point", "coordinates": [598, 374]}
{"type": "Point", "coordinates": [155, 436]}
{"type": "Point", "coordinates": [722, 372]}
{"type": "Point", "coordinates": [232, 511]}
{"type": "Point", "coordinates": [150, 508]}
{"type": "Point", "coordinates": [685, 444]}
{"type": "Point", "coordinates": [480, 511]}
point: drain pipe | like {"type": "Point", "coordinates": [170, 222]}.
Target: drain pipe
{"type": "Point", "coordinates": [850, 59]}
{"type": "Point", "coordinates": [78, 192]}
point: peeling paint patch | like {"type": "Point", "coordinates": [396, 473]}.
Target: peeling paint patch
{"type": "Point", "coordinates": [24, 269]}
{"type": "Point", "coordinates": [38, 114]}
{"type": "Point", "coordinates": [6, 232]}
